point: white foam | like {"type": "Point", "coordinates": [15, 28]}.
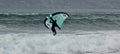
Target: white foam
{"type": "Point", "coordinates": [81, 42]}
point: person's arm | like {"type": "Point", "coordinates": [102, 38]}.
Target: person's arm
{"type": "Point", "coordinates": [51, 19]}
{"type": "Point", "coordinates": [57, 25]}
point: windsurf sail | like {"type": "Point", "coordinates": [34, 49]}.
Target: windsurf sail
{"type": "Point", "coordinates": [59, 17]}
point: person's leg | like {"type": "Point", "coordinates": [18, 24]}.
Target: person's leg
{"type": "Point", "coordinates": [54, 31]}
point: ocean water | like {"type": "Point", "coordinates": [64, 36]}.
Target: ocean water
{"type": "Point", "coordinates": [82, 33]}
{"type": "Point", "coordinates": [81, 21]}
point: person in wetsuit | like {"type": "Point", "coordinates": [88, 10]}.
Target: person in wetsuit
{"type": "Point", "coordinates": [54, 24]}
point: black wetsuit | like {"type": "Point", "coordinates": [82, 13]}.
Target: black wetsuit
{"type": "Point", "coordinates": [54, 24]}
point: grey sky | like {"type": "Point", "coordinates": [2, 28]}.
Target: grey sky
{"type": "Point", "coordinates": [32, 5]}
